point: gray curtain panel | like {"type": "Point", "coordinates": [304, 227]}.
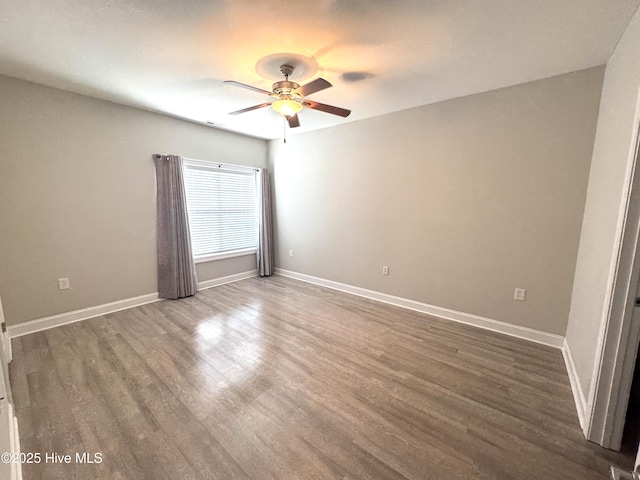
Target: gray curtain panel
{"type": "Point", "coordinates": [265, 224]}
{"type": "Point", "coordinates": [176, 268]}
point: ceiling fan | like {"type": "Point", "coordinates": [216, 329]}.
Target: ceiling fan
{"type": "Point", "coordinates": [289, 97]}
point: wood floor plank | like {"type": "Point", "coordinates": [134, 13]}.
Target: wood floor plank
{"type": "Point", "coordinates": [271, 378]}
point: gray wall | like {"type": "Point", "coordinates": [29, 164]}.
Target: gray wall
{"type": "Point", "coordinates": [603, 218]}
{"type": "Point", "coordinates": [77, 197]}
{"type": "Point", "coordinates": [464, 200]}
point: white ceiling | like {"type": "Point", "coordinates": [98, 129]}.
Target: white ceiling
{"type": "Point", "coordinates": [381, 56]}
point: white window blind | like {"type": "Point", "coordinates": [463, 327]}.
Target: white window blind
{"type": "Point", "coordinates": [222, 207]}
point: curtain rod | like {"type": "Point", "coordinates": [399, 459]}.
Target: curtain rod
{"type": "Point", "coordinates": [228, 166]}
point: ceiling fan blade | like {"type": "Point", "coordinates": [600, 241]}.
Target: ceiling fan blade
{"type": "Point", "coordinates": [294, 121]}
{"type": "Point", "coordinates": [313, 87]}
{"type": "Point", "coordinates": [255, 107]}
{"type": "Point", "coordinates": [342, 112]}
{"type": "Point", "coordinates": [248, 87]}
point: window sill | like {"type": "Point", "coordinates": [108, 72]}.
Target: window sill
{"type": "Point", "coordinates": [222, 256]}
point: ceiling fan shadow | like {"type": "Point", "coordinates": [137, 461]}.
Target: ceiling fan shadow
{"type": "Point", "coordinates": [352, 77]}
{"type": "Point", "coordinates": [360, 7]}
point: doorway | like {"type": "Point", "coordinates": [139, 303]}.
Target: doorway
{"type": "Point", "coordinates": [616, 366]}
{"type": "Point", "coordinates": [631, 432]}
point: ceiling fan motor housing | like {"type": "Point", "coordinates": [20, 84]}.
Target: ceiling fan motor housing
{"type": "Point", "coordinates": [285, 87]}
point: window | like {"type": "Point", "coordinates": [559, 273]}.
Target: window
{"type": "Point", "coordinates": [223, 209]}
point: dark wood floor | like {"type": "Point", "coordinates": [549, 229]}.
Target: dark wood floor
{"type": "Point", "coordinates": [277, 379]}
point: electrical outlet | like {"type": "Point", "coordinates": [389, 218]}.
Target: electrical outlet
{"type": "Point", "coordinates": [519, 294]}
{"type": "Point", "coordinates": [385, 270]}
{"type": "Point", "coordinates": [63, 284]}
{"type": "Point", "coordinates": [291, 253]}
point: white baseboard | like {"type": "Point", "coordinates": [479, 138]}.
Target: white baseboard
{"type": "Point", "coordinates": [228, 279]}
{"type": "Point", "coordinates": [45, 323]}
{"type": "Point", "coordinates": [525, 333]}
{"type": "Point", "coordinates": [576, 387]}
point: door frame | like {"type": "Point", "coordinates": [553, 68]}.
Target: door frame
{"type": "Point", "coordinates": [620, 331]}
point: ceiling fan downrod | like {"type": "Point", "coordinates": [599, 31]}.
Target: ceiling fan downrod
{"type": "Point", "coordinates": [286, 70]}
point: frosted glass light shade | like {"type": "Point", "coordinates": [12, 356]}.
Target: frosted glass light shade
{"type": "Point", "coordinates": [286, 108]}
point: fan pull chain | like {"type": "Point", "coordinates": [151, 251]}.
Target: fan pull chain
{"type": "Point", "coordinates": [284, 128]}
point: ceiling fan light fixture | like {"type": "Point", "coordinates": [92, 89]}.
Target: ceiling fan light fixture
{"type": "Point", "coordinates": [289, 97]}
{"type": "Point", "coordinates": [287, 108]}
